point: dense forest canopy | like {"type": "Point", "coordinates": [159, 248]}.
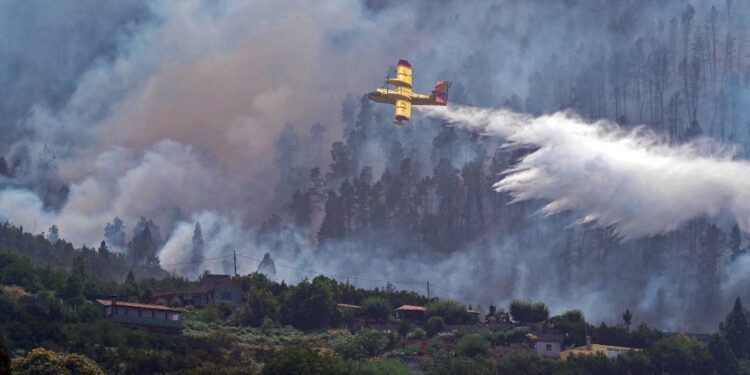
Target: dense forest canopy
{"type": "Point", "coordinates": [182, 133]}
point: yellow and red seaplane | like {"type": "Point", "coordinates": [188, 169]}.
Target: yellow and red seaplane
{"type": "Point", "coordinates": [401, 96]}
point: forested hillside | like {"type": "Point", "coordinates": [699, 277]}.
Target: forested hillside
{"type": "Point", "coordinates": [425, 190]}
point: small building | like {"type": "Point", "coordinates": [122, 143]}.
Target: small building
{"type": "Point", "coordinates": [472, 316]}
{"type": "Point", "coordinates": [549, 345]}
{"type": "Point", "coordinates": [219, 289]}
{"type": "Point", "coordinates": [152, 317]}
{"type": "Point", "coordinates": [211, 290]}
{"type": "Point", "coordinates": [410, 312]}
{"type": "Point", "coordinates": [611, 351]}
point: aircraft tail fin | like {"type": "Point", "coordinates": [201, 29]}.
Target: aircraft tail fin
{"type": "Point", "coordinates": [440, 93]}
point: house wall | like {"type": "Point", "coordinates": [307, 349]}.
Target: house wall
{"type": "Point", "coordinates": [548, 349]}
{"type": "Point", "coordinates": [229, 294]}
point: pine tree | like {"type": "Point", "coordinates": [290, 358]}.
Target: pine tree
{"type": "Point", "coordinates": [347, 197]}
{"type": "Point", "coordinates": [4, 168]}
{"type": "Point", "coordinates": [302, 209]}
{"type": "Point", "coordinates": [197, 256]}
{"type": "Point", "coordinates": [130, 278]}
{"type": "Point", "coordinates": [267, 266]}
{"type": "Point", "coordinates": [79, 268]}
{"type": "Point", "coordinates": [143, 248]}
{"type": "Point", "coordinates": [342, 164]}
{"type": "Point", "coordinates": [334, 222]}
{"type": "Point", "coordinates": [627, 318]}
{"type": "Point", "coordinates": [53, 235]}
{"type": "Point", "coordinates": [737, 331]}
{"type": "Point", "coordinates": [114, 233]}
{"type": "Point", "coordinates": [735, 242]}
{"type": "Point", "coordinates": [103, 250]}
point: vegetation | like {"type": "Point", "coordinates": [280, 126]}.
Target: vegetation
{"type": "Point", "coordinates": [44, 362]}
{"type": "Point", "coordinates": [434, 325]}
{"type": "Point", "coordinates": [298, 359]}
{"type": "Point", "coordinates": [528, 312]}
{"type": "Point", "coordinates": [451, 312]}
{"type": "Point", "coordinates": [473, 345]}
{"type": "Point", "coordinates": [376, 308]}
{"type": "Point", "coordinates": [48, 324]}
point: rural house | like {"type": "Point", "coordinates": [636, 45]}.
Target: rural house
{"type": "Point", "coordinates": [211, 290]}
{"type": "Point", "coordinates": [153, 317]}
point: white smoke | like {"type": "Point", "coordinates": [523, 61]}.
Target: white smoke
{"type": "Point", "coordinates": [163, 183]}
{"type": "Point", "coordinates": [221, 235]}
{"type": "Point", "coordinates": [629, 180]}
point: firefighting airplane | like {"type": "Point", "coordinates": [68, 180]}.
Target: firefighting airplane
{"type": "Point", "coordinates": [403, 98]}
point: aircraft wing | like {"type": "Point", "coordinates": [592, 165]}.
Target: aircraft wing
{"type": "Point", "coordinates": [403, 75]}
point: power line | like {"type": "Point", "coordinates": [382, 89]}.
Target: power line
{"type": "Point", "coordinates": [335, 276]}
{"type": "Point", "coordinates": [316, 272]}
{"type": "Point", "coordinates": [196, 261]}
{"type": "Point", "coordinates": [309, 271]}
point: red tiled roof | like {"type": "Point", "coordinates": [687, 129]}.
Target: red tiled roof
{"type": "Point", "coordinates": [348, 306]}
{"type": "Point", "coordinates": [411, 308]}
{"type": "Point", "coordinates": [106, 302]}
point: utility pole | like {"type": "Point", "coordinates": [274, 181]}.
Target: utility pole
{"type": "Point", "coordinates": [234, 252]}
{"type": "Point", "coordinates": [428, 290]}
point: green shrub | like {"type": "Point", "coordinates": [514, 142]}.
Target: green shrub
{"type": "Point", "coordinates": [299, 359]}
{"type": "Point", "coordinates": [260, 305]}
{"type": "Point", "coordinates": [451, 312]}
{"type": "Point", "coordinates": [403, 328]}
{"type": "Point", "coordinates": [349, 348]}
{"type": "Point", "coordinates": [417, 333]}
{"type": "Point", "coordinates": [311, 305]}
{"type": "Point", "coordinates": [528, 312]}
{"type": "Point", "coordinates": [472, 345]}
{"type": "Point", "coordinates": [366, 343]}
{"type": "Point", "coordinates": [518, 334]}
{"type": "Point", "coordinates": [372, 341]}
{"type": "Point", "coordinates": [436, 344]}
{"type": "Point", "coordinates": [378, 367]}
{"type": "Point", "coordinates": [500, 338]}
{"type": "Point", "coordinates": [411, 349]}
{"type": "Point", "coordinates": [209, 314]}
{"type": "Point", "coordinates": [434, 325]}
{"type": "Point", "coordinates": [377, 308]}
{"type": "Point", "coordinates": [42, 362]}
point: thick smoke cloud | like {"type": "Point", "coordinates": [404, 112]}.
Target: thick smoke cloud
{"type": "Point", "coordinates": [129, 184]}
{"type": "Point", "coordinates": [629, 180]}
{"type": "Point", "coordinates": [214, 78]}
{"type": "Point", "coordinates": [225, 77]}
